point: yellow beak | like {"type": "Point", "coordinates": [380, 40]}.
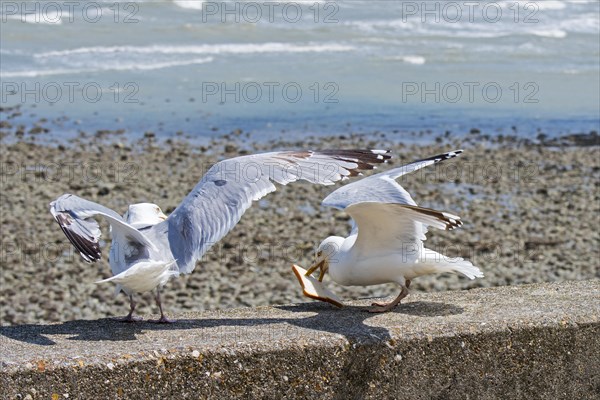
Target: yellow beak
{"type": "Point", "coordinates": [319, 264]}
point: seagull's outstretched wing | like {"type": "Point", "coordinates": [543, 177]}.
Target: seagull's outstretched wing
{"type": "Point", "coordinates": [219, 200]}
{"type": "Point", "coordinates": [75, 216]}
{"type": "Point", "coordinates": [382, 187]}
{"type": "Point", "coordinates": [386, 227]}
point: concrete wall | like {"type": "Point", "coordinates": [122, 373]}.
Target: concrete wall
{"type": "Point", "coordinates": [535, 341]}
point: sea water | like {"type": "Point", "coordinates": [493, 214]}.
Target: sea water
{"type": "Point", "coordinates": [321, 67]}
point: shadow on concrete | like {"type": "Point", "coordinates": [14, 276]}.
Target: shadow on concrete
{"type": "Point", "coordinates": [348, 322]}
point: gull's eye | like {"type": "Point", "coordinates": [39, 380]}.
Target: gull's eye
{"type": "Point", "coordinates": [319, 253]}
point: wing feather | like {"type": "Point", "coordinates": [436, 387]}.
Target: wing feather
{"type": "Point", "coordinates": [219, 200]}
{"type": "Point", "coordinates": [75, 216]}
{"type": "Point", "coordinates": [384, 228]}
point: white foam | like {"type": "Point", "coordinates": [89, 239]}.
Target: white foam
{"type": "Point", "coordinates": [415, 28]}
{"type": "Point", "coordinates": [386, 24]}
{"type": "Point", "coordinates": [584, 23]}
{"type": "Point", "coordinates": [161, 65]}
{"type": "Point", "coordinates": [205, 49]}
{"type": "Point", "coordinates": [106, 67]}
{"type": "Point", "coordinates": [470, 30]}
{"type": "Point", "coordinates": [417, 60]}
{"type": "Point", "coordinates": [550, 33]}
{"type": "Point", "coordinates": [190, 4]}
{"type": "Point", "coordinates": [410, 59]}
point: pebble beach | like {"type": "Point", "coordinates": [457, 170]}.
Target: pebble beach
{"type": "Point", "coordinates": [530, 210]}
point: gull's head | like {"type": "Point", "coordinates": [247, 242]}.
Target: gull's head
{"type": "Point", "coordinates": [144, 214]}
{"type": "Point", "coordinates": [327, 253]}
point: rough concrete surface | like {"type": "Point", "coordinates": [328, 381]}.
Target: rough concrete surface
{"type": "Point", "coordinates": [539, 341]}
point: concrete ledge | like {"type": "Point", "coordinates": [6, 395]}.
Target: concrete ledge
{"type": "Point", "coordinates": [533, 341]}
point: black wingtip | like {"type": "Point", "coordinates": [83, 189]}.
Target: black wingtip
{"type": "Point", "coordinates": [444, 156]}
{"type": "Point", "coordinates": [88, 249]}
{"type": "Point", "coordinates": [365, 159]}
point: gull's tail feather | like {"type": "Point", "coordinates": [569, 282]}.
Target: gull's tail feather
{"type": "Point", "coordinates": [466, 268]}
{"type": "Point", "coordinates": [144, 276]}
{"type": "Point", "coordinates": [438, 263]}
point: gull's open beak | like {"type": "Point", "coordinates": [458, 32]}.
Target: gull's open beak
{"type": "Point", "coordinates": [322, 264]}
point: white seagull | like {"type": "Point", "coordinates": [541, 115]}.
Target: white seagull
{"type": "Point", "coordinates": [148, 247]}
{"type": "Point", "coordinates": [386, 241]}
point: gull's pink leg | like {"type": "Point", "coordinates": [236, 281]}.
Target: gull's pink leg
{"type": "Point", "coordinates": [130, 317]}
{"type": "Point", "coordinates": [162, 319]}
{"type": "Point", "coordinates": [385, 307]}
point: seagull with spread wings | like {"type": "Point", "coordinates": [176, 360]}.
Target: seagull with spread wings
{"type": "Point", "coordinates": [148, 247]}
{"type": "Point", "coordinates": [386, 241]}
